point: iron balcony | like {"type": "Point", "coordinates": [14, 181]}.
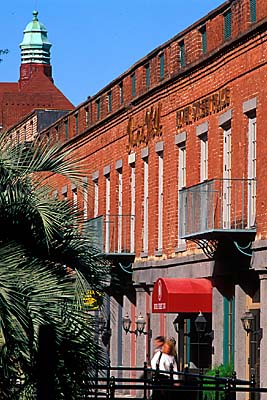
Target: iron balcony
{"type": "Point", "coordinates": [216, 207]}
{"type": "Point", "coordinates": [112, 234]}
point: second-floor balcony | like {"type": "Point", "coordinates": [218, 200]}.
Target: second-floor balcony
{"type": "Point", "coordinates": [217, 206]}
{"type": "Point", "coordinates": [112, 234]}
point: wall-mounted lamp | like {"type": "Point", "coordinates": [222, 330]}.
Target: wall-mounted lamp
{"type": "Point", "coordinates": [176, 323]}
{"type": "Point", "coordinates": [248, 322]}
{"type": "Point", "coordinates": [104, 330]}
{"type": "Point", "coordinates": [140, 325]}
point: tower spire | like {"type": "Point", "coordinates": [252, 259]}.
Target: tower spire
{"type": "Point", "coordinates": [35, 50]}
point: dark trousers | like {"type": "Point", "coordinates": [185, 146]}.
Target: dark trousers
{"type": "Point", "coordinates": [163, 392]}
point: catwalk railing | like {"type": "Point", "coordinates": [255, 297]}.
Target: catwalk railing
{"type": "Point", "coordinates": [139, 383]}
{"type": "Point", "coordinates": [112, 233]}
{"type": "Point", "coordinates": [217, 205]}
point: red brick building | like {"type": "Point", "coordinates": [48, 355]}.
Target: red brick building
{"type": "Point", "coordinates": [175, 155]}
{"type": "Point", "coordinates": [35, 88]}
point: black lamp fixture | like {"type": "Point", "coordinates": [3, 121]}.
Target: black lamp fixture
{"type": "Point", "coordinates": [104, 329]}
{"type": "Point", "coordinates": [176, 323]}
{"type": "Point", "coordinates": [140, 325]}
{"type": "Point", "coordinates": [200, 323]}
{"type": "Point", "coordinates": [247, 320]}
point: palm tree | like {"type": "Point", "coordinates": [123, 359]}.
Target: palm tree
{"type": "Point", "coordinates": [48, 263]}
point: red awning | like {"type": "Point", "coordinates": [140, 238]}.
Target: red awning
{"type": "Point", "coordinates": [175, 295]}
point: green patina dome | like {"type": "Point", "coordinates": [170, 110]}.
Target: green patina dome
{"type": "Point", "coordinates": [35, 47]}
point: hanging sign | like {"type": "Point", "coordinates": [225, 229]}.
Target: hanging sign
{"type": "Point", "coordinates": [93, 299]}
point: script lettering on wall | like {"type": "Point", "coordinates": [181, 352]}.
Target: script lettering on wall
{"type": "Point", "coordinates": [145, 129]}
{"type": "Point", "coordinates": [202, 108]}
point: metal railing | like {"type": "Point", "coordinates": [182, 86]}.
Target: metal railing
{"type": "Point", "coordinates": [217, 205]}
{"type": "Point", "coordinates": [112, 233]}
{"type": "Point", "coordinates": [187, 385]}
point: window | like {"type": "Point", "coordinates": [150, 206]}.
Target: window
{"type": "Point", "coordinates": [76, 124]}
{"type": "Point", "coordinates": [227, 24]}
{"type": "Point", "coordinates": [64, 192]}
{"type": "Point", "coordinates": [132, 233]}
{"type": "Point", "coordinates": [74, 196]}
{"type": "Point", "coordinates": [98, 109]}
{"type": "Point", "coordinates": [182, 53]}
{"type": "Point", "coordinates": [133, 78]}
{"type": "Point", "coordinates": [182, 166]}
{"type": "Point", "coordinates": [24, 133]}
{"type": "Point", "coordinates": [57, 135]}
{"type": "Point", "coordinates": [160, 200]}
{"type": "Point", "coordinates": [181, 185]}
{"type": "Point", "coordinates": [161, 66]}
{"type": "Point", "coordinates": [85, 198]}
{"type": "Point", "coordinates": [107, 224]}
{"type": "Point", "coordinates": [66, 123]}
{"type": "Point", "coordinates": [253, 11]}
{"type": "Point", "coordinates": [252, 159]}
{"type": "Point", "coordinates": [109, 101]}
{"type": "Point", "coordinates": [203, 32]}
{"type": "Point", "coordinates": [147, 70]}
{"type": "Point", "coordinates": [86, 116]}
{"type": "Point", "coordinates": [120, 210]}
{"type": "Point", "coordinates": [95, 181]}
{"type": "Point", "coordinates": [145, 207]}
{"type": "Point", "coordinates": [227, 169]}
{"type": "Point", "coordinates": [121, 93]}
{"type": "Point", "coordinates": [18, 137]}
{"type": "Point", "coordinates": [203, 156]}
{"type": "Point", "coordinates": [31, 130]}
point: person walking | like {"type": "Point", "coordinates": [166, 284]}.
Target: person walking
{"type": "Point", "coordinates": [158, 343]}
{"type": "Point", "coordinates": [162, 361]}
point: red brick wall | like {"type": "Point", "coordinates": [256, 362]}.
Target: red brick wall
{"type": "Point", "coordinates": [242, 68]}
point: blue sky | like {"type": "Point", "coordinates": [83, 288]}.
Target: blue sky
{"type": "Point", "coordinates": [94, 41]}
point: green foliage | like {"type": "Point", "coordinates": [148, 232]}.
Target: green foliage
{"type": "Point", "coordinates": [3, 52]}
{"type": "Point", "coordinates": [222, 371]}
{"type": "Point", "coordinates": [47, 265]}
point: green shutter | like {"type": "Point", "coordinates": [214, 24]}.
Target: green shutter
{"type": "Point", "coordinates": [147, 76]}
{"type": "Point", "coordinates": [162, 67]}
{"type": "Point", "coordinates": [182, 54]}
{"type": "Point", "coordinates": [204, 40]}
{"type": "Point", "coordinates": [133, 85]}
{"type": "Point", "coordinates": [98, 109]}
{"type": "Point", "coordinates": [227, 24]}
{"type": "Point", "coordinates": [109, 101]}
{"type": "Point", "coordinates": [121, 93]}
{"type": "Point", "coordinates": [253, 11]}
